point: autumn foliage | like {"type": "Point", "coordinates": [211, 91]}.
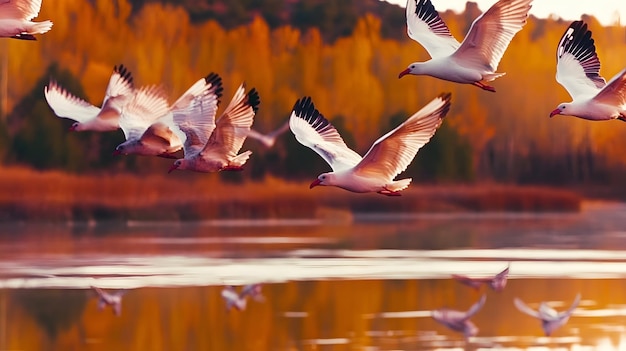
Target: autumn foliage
{"type": "Point", "coordinates": [506, 136]}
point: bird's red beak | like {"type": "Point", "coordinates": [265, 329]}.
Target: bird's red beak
{"type": "Point", "coordinates": [315, 183]}
{"type": "Point", "coordinates": [117, 153]}
{"type": "Point", "coordinates": [555, 112]}
{"type": "Point", "coordinates": [404, 73]}
{"type": "Point", "coordinates": [72, 128]}
{"type": "Point", "coordinates": [172, 168]}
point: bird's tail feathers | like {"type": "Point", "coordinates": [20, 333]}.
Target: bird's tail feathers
{"type": "Point", "coordinates": [399, 185]}
{"type": "Point", "coordinates": [488, 77]}
{"type": "Point", "coordinates": [40, 27]}
{"type": "Point", "coordinates": [240, 159]}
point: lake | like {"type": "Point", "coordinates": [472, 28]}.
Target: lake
{"type": "Point", "coordinates": [341, 282]}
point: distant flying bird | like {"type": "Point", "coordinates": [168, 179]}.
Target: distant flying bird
{"type": "Point", "coordinates": [550, 318]}
{"type": "Point", "coordinates": [578, 71]}
{"type": "Point", "coordinates": [213, 145]}
{"type": "Point", "coordinates": [240, 300]}
{"type": "Point", "coordinates": [458, 320]}
{"type": "Point", "coordinates": [496, 283]}
{"type": "Point", "coordinates": [476, 59]}
{"type": "Point", "coordinates": [16, 16]}
{"type": "Point", "coordinates": [269, 139]}
{"type": "Point", "coordinates": [148, 124]}
{"type": "Point", "coordinates": [110, 299]}
{"type": "Point", "coordinates": [87, 116]}
{"type": "Point", "coordinates": [388, 156]}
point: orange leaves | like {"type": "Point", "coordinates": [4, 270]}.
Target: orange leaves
{"type": "Point", "coordinates": [355, 76]}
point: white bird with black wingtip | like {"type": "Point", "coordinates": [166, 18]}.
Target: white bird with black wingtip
{"type": "Point", "coordinates": [87, 116]}
{"type": "Point", "coordinates": [476, 59]}
{"type": "Point", "coordinates": [578, 71]}
{"type": "Point", "coordinates": [390, 155]}
{"type": "Point", "coordinates": [149, 126]}
{"type": "Point", "coordinates": [213, 145]}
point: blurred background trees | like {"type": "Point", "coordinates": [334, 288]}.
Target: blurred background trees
{"type": "Point", "coordinates": [345, 54]}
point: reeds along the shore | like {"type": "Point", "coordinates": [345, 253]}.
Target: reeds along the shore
{"type": "Point", "coordinates": [27, 194]}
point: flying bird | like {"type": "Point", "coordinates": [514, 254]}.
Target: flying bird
{"type": "Point", "coordinates": [213, 145]}
{"type": "Point", "coordinates": [16, 16]}
{"type": "Point", "coordinates": [496, 283]}
{"type": "Point", "coordinates": [110, 299]}
{"type": "Point", "coordinates": [550, 318]}
{"type": "Point", "coordinates": [476, 59]}
{"type": "Point", "coordinates": [458, 320]}
{"type": "Point", "coordinates": [240, 300]}
{"type": "Point", "coordinates": [578, 71]}
{"type": "Point", "coordinates": [388, 156]}
{"type": "Point", "coordinates": [148, 124]}
{"type": "Point", "coordinates": [87, 116]}
{"type": "Point", "coordinates": [269, 139]}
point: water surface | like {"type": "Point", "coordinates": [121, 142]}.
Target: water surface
{"type": "Point", "coordinates": [341, 282]}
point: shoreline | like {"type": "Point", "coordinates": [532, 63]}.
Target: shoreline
{"type": "Point", "coordinates": [27, 195]}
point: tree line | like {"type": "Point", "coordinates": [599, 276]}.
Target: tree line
{"type": "Point", "coordinates": [506, 136]}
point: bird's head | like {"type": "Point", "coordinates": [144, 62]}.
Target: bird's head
{"type": "Point", "coordinates": [120, 150]}
{"type": "Point", "coordinates": [129, 147]}
{"type": "Point", "coordinates": [178, 164]}
{"type": "Point", "coordinates": [322, 179]}
{"type": "Point", "coordinates": [76, 127]}
{"type": "Point", "coordinates": [413, 68]}
{"type": "Point", "coordinates": [561, 110]}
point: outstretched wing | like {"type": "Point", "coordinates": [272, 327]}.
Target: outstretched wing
{"type": "Point", "coordinates": [525, 309]}
{"type": "Point", "coordinates": [393, 152]}
{"type": "Point", "coordinates": [425, 26]}
{"type": "Point", "coordinates": [571, 309]}
{"type": "Point", "coordinates": [117, 308]}
{"type": "Point", "coordinates": [577, 63]}
{"type": "Point", "coordinates": [282, 129]}
{"type": "Point", "coordinates": [19, 9]}
{"type": "Point", "coordinates": [197, 120]}
{"type": "Point", "coordinates": [253, 291]}
{"type": "Point", "coordinates": [314, 131]}
{"type": "Point", "coordinates": [67, 105]}
{"type": "Point", "coordinates": [120, 88]}
{"type": "Point", "coordinates": [211, 84]}
{"type": "Point", "coordinates": [231, 127]}
{"type": "Point", "coordinates": [504, 274]}
{"type": "Point", "coordinates": [614, 93]}
{"type": "Point", "coordinates": [491, 33]}
{"type": "Point", "coordinates": [146, 106]}
{"type": "Point", "coordinates": [471, 282]}
{"type": "Point", "coordinates": [270, 138]}
{"type": "Point", "coordinates": [475, 307]}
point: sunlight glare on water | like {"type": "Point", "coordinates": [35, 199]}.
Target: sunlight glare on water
{"type": "Point", "coordinates": [362, 285]}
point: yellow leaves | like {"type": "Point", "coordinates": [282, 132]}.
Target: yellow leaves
{"type": "Point", "coordinates": [355, 77]}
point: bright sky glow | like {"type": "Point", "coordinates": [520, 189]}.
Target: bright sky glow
{"type": "Point", "coordinates": [606, 11]}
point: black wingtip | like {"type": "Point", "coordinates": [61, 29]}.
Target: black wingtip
{"type": "Point", "coordinates": [305, 109]}
{"type": "Point", "coordinates": [124, 73]}
{"type": "Point", "coordinates": [253, 99]}
{"type": "Point", "coordinates": [216, 81]}
{"type": "Point", "coordinates": [577, 41]}
{"type": "Point", "coordinates": [445, 96]}
{"type": "Point", "coordinates": [425, 10]}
